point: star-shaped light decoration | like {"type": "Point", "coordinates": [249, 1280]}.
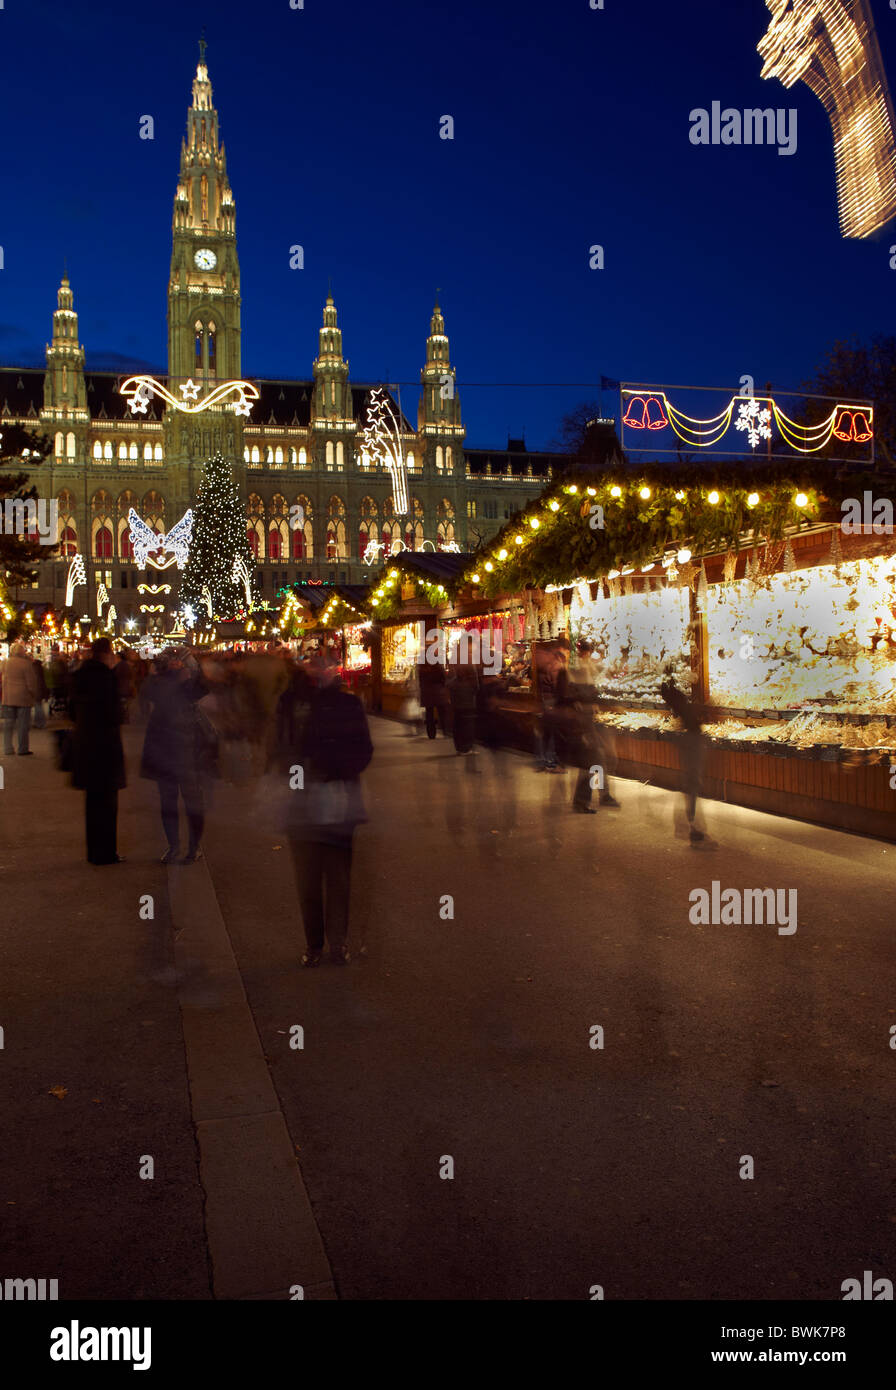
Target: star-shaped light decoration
{"type": "Point", "coordinates": [242, 406]}
{"type": "Point", "coordinates": [190, 390]}
{"type": "Point", "coordinates": [140, 399]}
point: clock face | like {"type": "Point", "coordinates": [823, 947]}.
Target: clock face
{"type": "Point", "coordinates": [205, 259]}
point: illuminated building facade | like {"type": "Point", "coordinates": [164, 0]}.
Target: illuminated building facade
{"type": "Point", "coordinates": [301, 443]}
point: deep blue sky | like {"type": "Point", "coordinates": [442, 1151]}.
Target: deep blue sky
{"type": "Point", "coordinates": [571, 128]}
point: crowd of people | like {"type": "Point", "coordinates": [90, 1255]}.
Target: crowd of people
{"type": "Point", "coordinates": [229, 714]}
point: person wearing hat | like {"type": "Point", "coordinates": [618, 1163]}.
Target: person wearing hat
{"type": "Point", "coordinates": [20, 693]}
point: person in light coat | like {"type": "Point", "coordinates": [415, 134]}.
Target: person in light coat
{"type": "Point", "coordinates": [20, 693]}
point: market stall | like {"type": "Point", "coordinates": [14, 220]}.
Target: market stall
{"type": "Point", "coordinates": [789, 630]}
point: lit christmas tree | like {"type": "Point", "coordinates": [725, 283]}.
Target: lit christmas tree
{"type": "Point", "coordinates": [218, 581]}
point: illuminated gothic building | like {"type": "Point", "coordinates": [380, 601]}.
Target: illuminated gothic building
{"type": "Point", "coordinates": [300, 444]}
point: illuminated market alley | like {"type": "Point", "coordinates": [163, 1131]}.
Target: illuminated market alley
{"type": "Point", "coordinates": [538, 1074]}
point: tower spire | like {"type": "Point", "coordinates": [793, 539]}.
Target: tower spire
{"type": "Point", "coordinates": [440, 405]}
{"type": "Point", "coordinates": [202, 47]}
{"type": "Point", "coordinates": [64, 388]}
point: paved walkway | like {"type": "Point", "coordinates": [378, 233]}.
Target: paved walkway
{"type": "Point", "coordinates": [461, 1038]}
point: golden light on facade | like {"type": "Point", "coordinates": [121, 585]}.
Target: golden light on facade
{"type": "Point", "coordinates": [139, 391]}
{"type": "Point", "coordinates": [831, 45]}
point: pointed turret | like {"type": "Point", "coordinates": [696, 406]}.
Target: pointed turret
{"type": "Point", "coordinates": [65, 394]}
{"type": "Point", "coordinates": [332, 397]}
{"type": "Point", "coordinates": [440, 403]}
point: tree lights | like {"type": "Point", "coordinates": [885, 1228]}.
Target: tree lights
{"type": "Point", "coordinates": [220, 566]}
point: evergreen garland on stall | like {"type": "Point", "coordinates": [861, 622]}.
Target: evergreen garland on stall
{"type": "Point", "coordinates": [218, 541]}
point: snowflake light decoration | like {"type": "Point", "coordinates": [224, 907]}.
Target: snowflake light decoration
{"type": "Point", "coordinates": [755, 420]}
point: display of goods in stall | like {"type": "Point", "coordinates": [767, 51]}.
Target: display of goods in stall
{"type": "Point", "coordinates": [638, 640]}
{"type": "Point", "coordinates": [823, 634]}
{"type": "Point", "coordinates": [809, 734]}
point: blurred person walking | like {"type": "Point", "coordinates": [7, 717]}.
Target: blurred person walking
{"type": "Point", "coordinates": [463, 688]}
{"type": "Point", "coordinates": [174, 749]}
{"type": "Point", "coordinates": [593, 752]}
{"type": "Point", "coordinates": [324, 809]}
{"type": "Point", "coordinates": [549, 660]}
{"type": "Point", "coordinates": [434, 695]}
{"type": "Point", "coordinates": [124, 678]}
{"type": "Point", "coordinates": [96, 752]}
{"type": "Point", "coordinates": [39, 713]}
{"type": "Point", "coordinates": [694, 750]}
{"type": "Point", "coordinates": [20, 692]}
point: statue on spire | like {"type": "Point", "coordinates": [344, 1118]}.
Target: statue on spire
{"type": "Point", "coordinates": [202, 47]}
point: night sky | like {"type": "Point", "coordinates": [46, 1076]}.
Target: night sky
{"type": "Point", "coordinates": [571, 129]}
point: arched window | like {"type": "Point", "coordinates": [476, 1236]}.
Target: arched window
{"type": "Point", "coordinates": [303, 458]}
{"type": "Point", "coordinates": [122, 450]}
{"type": "Point", "coordinates": [147, 453]}
{"type": "Point", "coordinates": [97, 449]}
{"type": "Point", "coordinates": [292, 455]}
{"type": "Point", "coordinates": [278, 531]}
{"type": "Point", "coordinates": [413, 535]}
{"type": "Point", "coordinates": [154, 512]}
{"type": "Point", "coordinates": [329, 455]}
{"type": "Point", "coordinates": [368, 529]}
{"type": "Point", "coordinates": [410, 462]}
{"type": "Point", "coordinates": [302, 544]}
{"type": "Point", "coordinates": [125, 549]}
{"type": "Point", "coordinates": [157, 453]}
{"type": "Point", "coordinates": [445, 532]}
{"type": "Point", "coordinates": [391, 535]}
{"type": "Point", "coordinates": [278, 539]}
{"type": "Point", "coordinates": [59, 444]}
{"type": "Point", "coordinates": [212, 350]}
{"type": "Point", "coordinates": [278, 455]}
{"type": "Point", "coordinates": [197, 359]}
{"type": "Point", "coordinates": [256, 456]}
{"type": "Point", "coordinates": [70, 445]}
{"type": "Point", "coordinates": [68, 533]}
{"type": "Point", "coordinates": [246, 455]}
{"type": "Point", "coordinates": [107, 449]}
{"type": "Point", "coordinates": [336, 547]}
{"type": "Point", "coordinates": [269, 455]}
{"type": "Point", "coordinates": [449, 458]}
{"type": "Point", "coordinates": [440, 457]}
{"type": "Point", "coordinates": [340, 454]}
{"type": "Point", "coordinates": [133, 453]}
{"type": "Point", "coordinates": [102, 540]}
{"type": "Point", "coordinates": [255, 525]}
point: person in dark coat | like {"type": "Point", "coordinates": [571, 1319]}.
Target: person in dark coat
{"type": "Point", "coordinates": [434, 695]}
{"type": "Point", "coordinates": [172, 749]}
{"type": "Point", "coordinates": [463, 688]}
{"type": "Point", "coordinates": [97, 754]}
{"type": "Point", "coordinates": [581, 742]}
{"type": "Point", "coordinates": [325, 808]}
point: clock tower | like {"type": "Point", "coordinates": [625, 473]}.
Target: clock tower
{"type": "Point", "coordinates": [204, 285]}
